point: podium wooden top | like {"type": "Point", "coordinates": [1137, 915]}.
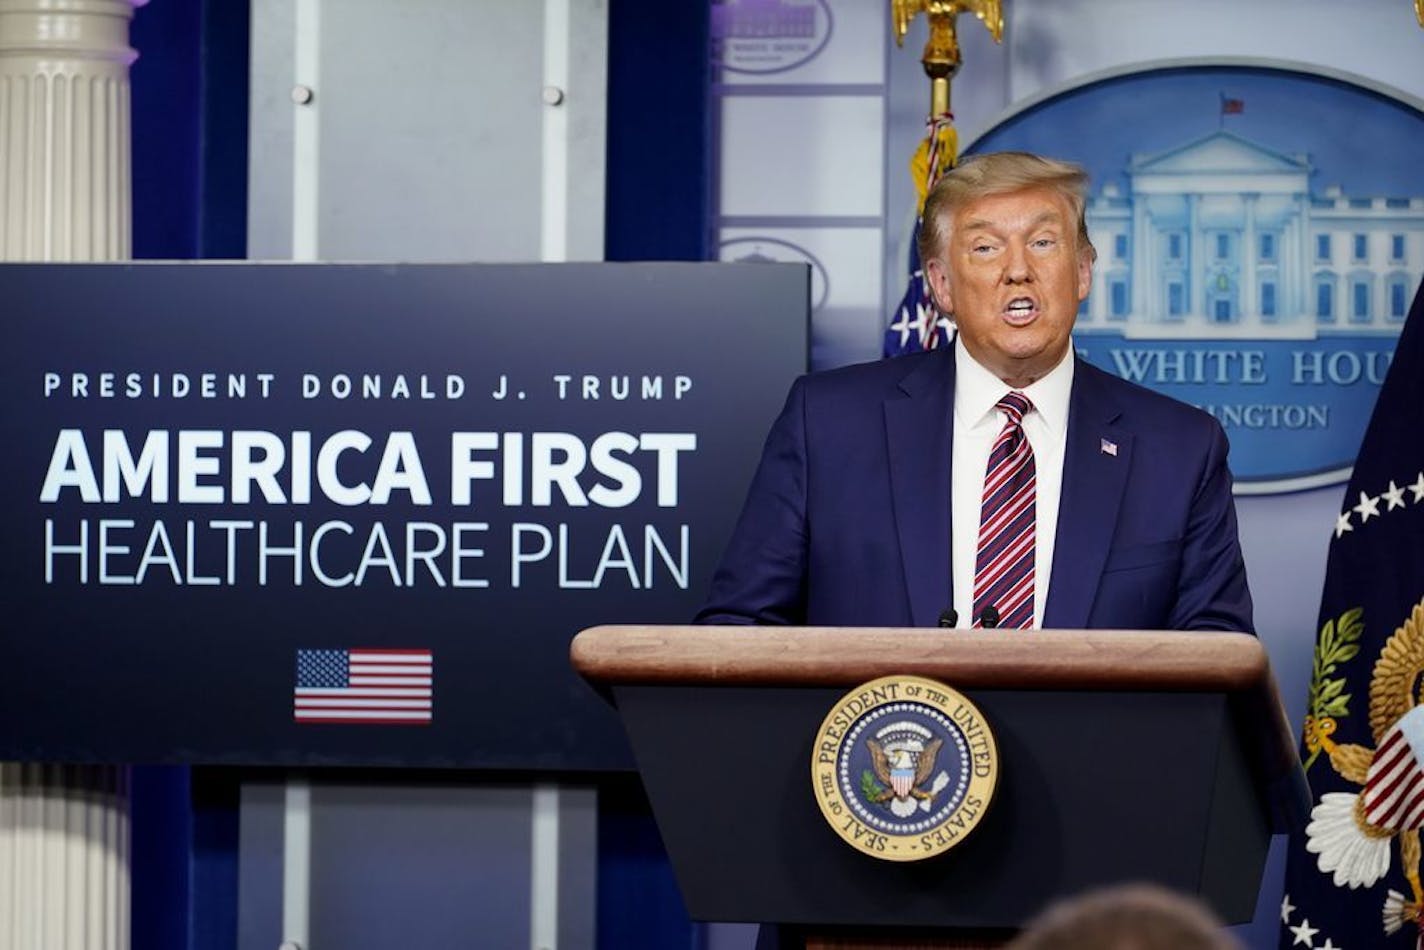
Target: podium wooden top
{"type": "Point", "coordinates": [844, 656]}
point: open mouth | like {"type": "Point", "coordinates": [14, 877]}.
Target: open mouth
{"type": "Point", "coordinates": [1020, 311]}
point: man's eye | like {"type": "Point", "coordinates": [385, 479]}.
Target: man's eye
{"type": "Point", "coordinates": [1044, 242]}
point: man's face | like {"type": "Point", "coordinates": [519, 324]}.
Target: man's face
{"type": "Point", "coordinates": [1013, 275]}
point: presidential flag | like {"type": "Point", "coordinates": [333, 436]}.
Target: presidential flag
{"type": "Point", "coordinates": [364, 686]}
{"type": "Point", "coordinates": [1352, 877]}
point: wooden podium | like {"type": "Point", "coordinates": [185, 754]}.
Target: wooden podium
{"type": "Point", "coordinates": [1124, 756]}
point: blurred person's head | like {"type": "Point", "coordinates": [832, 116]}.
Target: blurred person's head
{"type": "Point", "coordinates": [1126, 917]}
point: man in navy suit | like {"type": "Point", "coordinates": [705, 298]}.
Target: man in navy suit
{"type": "Point", "coordinates": [866, 509]}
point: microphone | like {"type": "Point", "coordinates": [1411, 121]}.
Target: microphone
{"type": "Point", "coordinates": [948, 617]}
{"type": "Point", "coordinates": [989, 617]}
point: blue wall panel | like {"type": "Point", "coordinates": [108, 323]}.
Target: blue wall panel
{"type": "Point", "coordinates": [659, 132]}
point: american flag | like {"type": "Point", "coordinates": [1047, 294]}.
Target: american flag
{"type": "Point", "coordinates": [917, 324]}
{"type": "Point", "coordinates": [364, 686]}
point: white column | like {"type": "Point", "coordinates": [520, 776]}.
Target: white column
{"type": "Point", "coordinates": [1196, 262]}
{"type": "Point", "coordinates": [65, 195]}
{"type": "Point", "coordinates": [65, 188]}
{"type": "Point", "coordinates": [1305, 252]}
{"type": "Point", "coordinates": [1288, 295]}
{"type": "Point", "coordinates": [1250, 305]}
{"type": "Point", "coordinates": [64, 857]}
{"type": "Point", "coordinates": [1150, 275]}
{"type": "Point", "coordinates": [1144, 309]}
{"type": "Point", "coordinates": [1099, 298]}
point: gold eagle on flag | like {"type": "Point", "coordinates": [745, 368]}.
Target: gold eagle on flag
{"type": "Point", "coordinates": [1351, 832]}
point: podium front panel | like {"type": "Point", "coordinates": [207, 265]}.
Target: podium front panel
{"type": "Point", "coordinates": [1094, 788]}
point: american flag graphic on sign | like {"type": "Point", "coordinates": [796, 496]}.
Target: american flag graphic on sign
{"type": "Point", "coordinates": [364, 686]}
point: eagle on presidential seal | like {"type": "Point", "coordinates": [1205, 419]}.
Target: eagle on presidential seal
{"type": "Point", "coordinates": [903, 756]}
{"type": "Point", "coordinates": [1352, 832]}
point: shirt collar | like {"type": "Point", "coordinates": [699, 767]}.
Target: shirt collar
{"type": "Point", "coordinates": [976, 390]}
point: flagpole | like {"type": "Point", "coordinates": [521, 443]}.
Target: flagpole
{"type": "Point", "coordinates": [941, 58]}
{"type": "Point", "coordinates": [917, 323]}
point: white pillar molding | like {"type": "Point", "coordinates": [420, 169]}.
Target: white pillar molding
{"type": "Point", "coordinates": [64, 857]}
{"type": "Point", "coordinates": [65, 189]}
{"type": "Point", "coordinates": [574, 136]}
{"type": "Point", "coordinates": [65, 195]}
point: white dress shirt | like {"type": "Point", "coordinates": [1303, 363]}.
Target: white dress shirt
{"type": "Point", "coordinates": [977, 423]}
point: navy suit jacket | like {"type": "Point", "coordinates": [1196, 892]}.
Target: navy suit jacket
{"type": "Point", "coordinates": [847, 522]}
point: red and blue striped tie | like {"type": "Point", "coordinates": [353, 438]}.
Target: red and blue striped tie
{"type": "Point", "coordinates": [1003, 567]}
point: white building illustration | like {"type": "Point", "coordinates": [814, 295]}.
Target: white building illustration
{"type": "Point", "coordinates": [1221, 238]}
{"type": "Point", "coordinates": [763, 19]}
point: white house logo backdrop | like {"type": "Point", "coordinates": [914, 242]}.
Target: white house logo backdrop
{"type": "Point", "coordinates": [769, 36]}
{"type": "Point", "coordinates": [1260, 234]}
{"type": "Point", "coordinates": [764, 249]}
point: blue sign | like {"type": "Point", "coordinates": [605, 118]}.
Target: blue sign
{"type": "Point", "coordinates": [1260, 234]}
{"type": "Point", "coordinates": [355, 513]}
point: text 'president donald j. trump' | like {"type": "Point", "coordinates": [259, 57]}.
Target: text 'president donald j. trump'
{"type": "Point", "coordinates": [1001, 481]}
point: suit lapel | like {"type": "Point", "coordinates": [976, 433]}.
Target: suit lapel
{"type": "Point", "coordinates": [919, 429]}
{"type": "Point", "coordinates": [1096, 460]}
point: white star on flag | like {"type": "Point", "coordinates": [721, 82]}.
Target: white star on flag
{"type": "Point", "coordinates": [1286, 908]}
{"type": "Point", "coordinates": [1304, 933]}
{"type": "Point", "coordinates": [1418, 488]}
{"type": "Point", "coordinates": [1342, 524]}
{"type": "Point", "coordinates": [904, 325]}
{"type": "Point", "coordinates": [1395, 496]}
{"type": "Point", "coordinates": [1368, 506]}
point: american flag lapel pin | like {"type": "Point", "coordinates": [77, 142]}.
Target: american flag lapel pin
{"type": "Point", "coordinates": [1108, 447]}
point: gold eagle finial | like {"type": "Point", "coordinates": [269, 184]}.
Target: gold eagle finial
{"type": "Point", "coordinates": [941, 58]}
{"type": "Point", "coordinates": [943, 46]}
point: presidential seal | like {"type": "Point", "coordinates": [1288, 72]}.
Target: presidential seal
{"type": "Point", "coordinates": [904, 768]}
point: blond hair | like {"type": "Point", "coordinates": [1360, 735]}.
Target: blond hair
{"type": "Point", "coordinates": [998, 173]}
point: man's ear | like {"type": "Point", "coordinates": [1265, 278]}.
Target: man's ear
{"type": "Point", "coordinates": [1085, 275]}
{"type": "Point", "coordinates": [938, 277]}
